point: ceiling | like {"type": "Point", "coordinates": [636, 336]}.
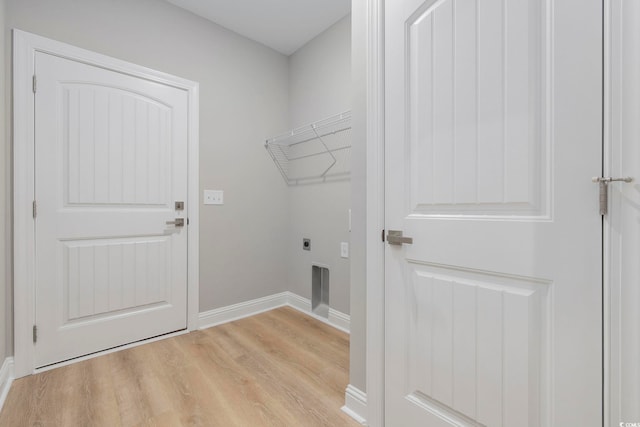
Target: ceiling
{"type": "Point", "coordinates": [284, 25]}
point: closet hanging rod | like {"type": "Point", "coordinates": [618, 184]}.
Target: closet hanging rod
{"type": "Point", "coordinates": [315, 154]}
{"type": "Point", "coordinates": [343, 119]}
{"type": "Point", "coordinates": [314, 137]}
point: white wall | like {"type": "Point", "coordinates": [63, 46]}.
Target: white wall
{"type": "Point", "coordinates": [243, 98]}
{"type": "Point", "coordinates": [5, 168]}
{"type": "Point", "coordinates": [319, 87]}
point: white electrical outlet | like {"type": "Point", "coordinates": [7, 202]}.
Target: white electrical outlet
{"type": "Point", "coordinates": [213, 197]}
{"type": "Point", "coordinates": [344, 249]}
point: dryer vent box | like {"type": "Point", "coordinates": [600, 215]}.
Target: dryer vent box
{"type": "Point", "coordinates": [320, 290]}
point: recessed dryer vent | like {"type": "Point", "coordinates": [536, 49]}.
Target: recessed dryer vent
{"type": "Point", "coordinates": [317, 152]}
{"type": "Point", "coordinates": [320, 290]}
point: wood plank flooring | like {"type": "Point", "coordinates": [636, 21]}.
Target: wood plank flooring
{"type": "Point", "coordinates": [279, 368]}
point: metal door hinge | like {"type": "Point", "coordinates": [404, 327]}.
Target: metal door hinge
{"type": "Point", "coordinates": [35, 83]}
{"type": "Point", "coordinates": [35, 334]}
{"type": "Point", "coordinates": [603, 183]}
{"type": "Point", "coordinates": [382, 235]}
{"type": "Point", "coordinates": [34, 209]}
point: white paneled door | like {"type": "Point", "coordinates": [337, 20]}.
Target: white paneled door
{"type": "Point", "coordinates": [493, 132]}
{"type": "Point", "coordinates": [111, 161]}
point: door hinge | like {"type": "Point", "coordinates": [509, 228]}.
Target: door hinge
{"type": "Point", "coordinates": [603, 183]}
{"type": "Point", "coordinates": [382, 235]}
{"type": "Point", "coordinates": [35, 84]}
{"type": "Point", "coordinates": [34, 209]}
{"type": "Point", "coordinates": [35, 334]}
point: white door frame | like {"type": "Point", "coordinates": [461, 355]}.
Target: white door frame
{"type": "Point", "coordinates": [613, 55]}
{"type": "Point", "coordinates": [375, 323]}
{"type": "Point", "coordinates": [606, 229]}
{"type": "Point", "coordinates": [375, 346]}
{"type": "Point", "coordinates": [25, 46]}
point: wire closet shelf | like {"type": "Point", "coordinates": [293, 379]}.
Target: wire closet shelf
{"type": "Point", "coordinates": [317, 152]}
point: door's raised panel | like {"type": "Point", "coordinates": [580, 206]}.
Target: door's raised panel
{"type": "Point", "coordinates": [109, 275]}
{"type": "Point", "coordinates": [476, 99]}
{"type": "Point", "coordinates": [117, 147]}
{"type": "Point", "coordinates": [476, 345]}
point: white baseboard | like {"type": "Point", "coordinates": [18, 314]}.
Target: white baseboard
{"type": "Point", "coordinates": [355, 404]}
{"type": "Point", "coordinates": [336, 319]}
{"type": "Point", "coordinates": [233, 312]}
{"type": "Point", "coordinates": [6, 378]}
{"type": "Point", "coordinates": [230, 313]}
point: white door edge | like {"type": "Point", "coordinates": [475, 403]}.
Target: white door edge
{"type": "Point", "coordinates": [606, 229]}
{"type": "Point", "coordinates": [108, 351]}
{"type": "Point", "coordinates": [375, 348]}
{"type": "Point", "coordinates": [25, 45]}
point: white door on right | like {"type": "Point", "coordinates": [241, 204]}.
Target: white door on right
{"type": "Point", "coordinates": [493, 132]}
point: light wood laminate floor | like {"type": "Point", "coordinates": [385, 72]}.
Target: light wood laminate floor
{"type": "Point", "coordinates": [279, 368]}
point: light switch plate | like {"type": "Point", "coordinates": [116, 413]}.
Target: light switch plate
{"type": "Point", "coordinates": [213, 197]}
{"type": "Point", "coordinates": [344, 249]}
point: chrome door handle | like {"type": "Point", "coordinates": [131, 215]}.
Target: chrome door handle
{"type": "Point", "coordinates": [395, 237]}
{"type": "Point", "coordinates": [179, 222]}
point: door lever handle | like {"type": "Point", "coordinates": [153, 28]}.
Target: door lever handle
{"type": "Point", "coordinates": [395, 237]}
{"type": "Point", "coordinates": [179, 222]}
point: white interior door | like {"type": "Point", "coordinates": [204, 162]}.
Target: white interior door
{"type": "Point", "coordinates": [111, 161]}
{"type": "Point", "coordinates": [622, 223]}
{"type": "Point", "coordinates": [493, 132]}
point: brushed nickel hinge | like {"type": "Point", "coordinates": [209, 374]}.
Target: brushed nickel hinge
{"type": "Point", "coordinates": [35, 334]}
{"type": "Point", "coordinates": [35, 209]}
{"type": "Point", "coordinates": [603, 183]}
{"type": "Point", "coordinates": [35, 83]}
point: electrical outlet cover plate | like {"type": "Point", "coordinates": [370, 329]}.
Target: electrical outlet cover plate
{"type": "Point", "coordinates": [213, 197]}
{"type": "Point", "coordinates": [344, 249]}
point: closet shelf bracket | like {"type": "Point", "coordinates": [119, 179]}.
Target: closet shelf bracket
{"type": "Point", "coordinates": [317, 152]}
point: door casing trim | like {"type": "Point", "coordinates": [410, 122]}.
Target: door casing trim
{"type": "Point", "coordinates": [606, 225]}
{"type": "Point", "coordinates": [375, 187]}
{"type": "Point", "coordinates": [25, 46]}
